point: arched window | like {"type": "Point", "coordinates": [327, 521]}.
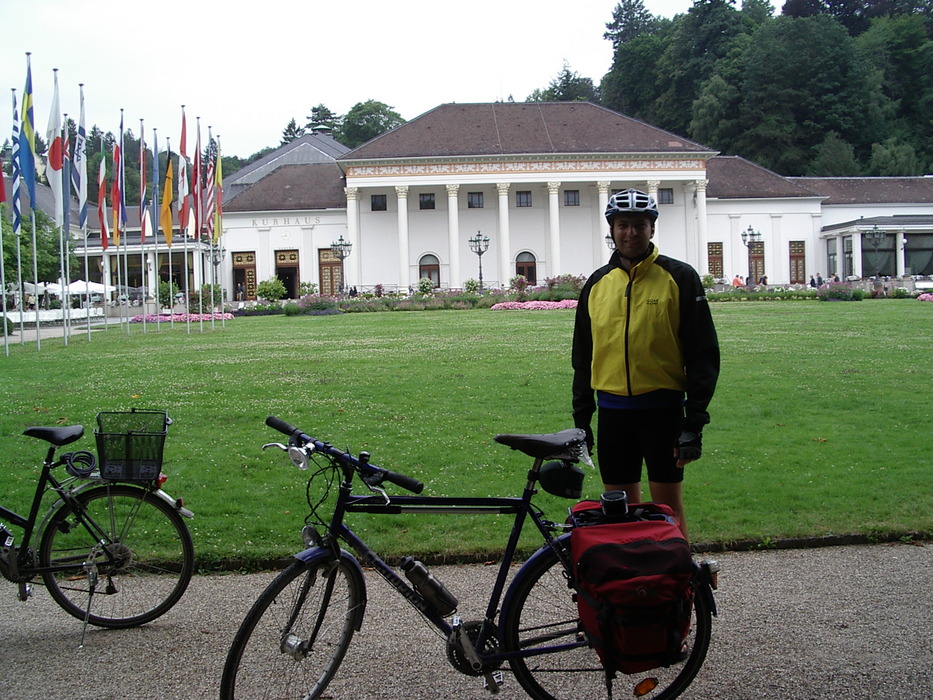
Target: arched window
{"type": "Point", "coordinates": [525, 266]}
{"type": "Point", "coordinates": [429, 266]}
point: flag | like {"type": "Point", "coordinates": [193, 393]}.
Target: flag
{"type": "Point", "coordinates": [183, 177]}
{"type": "Point", "coordinates": [15, 172]}
{"type": "Point", "coordinates": [2, 184]}
{"type": "Point", "coordinates": [218, 195]}
{"type": "Point", "coordinates": [115, 193]}
{"type": "Point", "coordinates": [55, 157]}
{"type": "Point", "coordinates": [142, 183]}
{"type": "Point", "coordinates": [166, 214]}
{"type": "Point", "coordinates": [196, 185]}
{"type": "Point", "coordinates": [27, 139]}
{"type": "Point", "coordinates": [209, 185]}
{"type": "Point", "coordinates": [155, 181]}
{"type": "Point", "coordinates": [102, 196]}
{"type": "Point", "coordinates": [79, 166]}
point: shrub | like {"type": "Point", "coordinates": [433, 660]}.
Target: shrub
{"type": "Point", "coordinates": [836, 291]}
{"type": "Point", "coordinates": [519, 284]}
{"type": "Point", "coordinates": [201, 301]}
{"type": "Point", "coordinates": [425, 286]}
{"type": "Point", "coordinates": [167, 292]}
{"type": "Point", "coordinates": [271, 289]}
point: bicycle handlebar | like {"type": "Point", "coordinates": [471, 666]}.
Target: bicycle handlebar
{"type": "Point", "coordinates": [370, 472]}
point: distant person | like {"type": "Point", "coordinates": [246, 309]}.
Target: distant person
{"type": "Point", "coordinates": [835, 277]}
{"type": "Point", "coordinates": [763, 280]}
{"type": "Point", "coordinates": [651, 397]}
{"type": "Point", "coordinates": [819, 280]}
{"type": "Point", "coordinates": [737, 281]}
{"type": "Point", "coordinates": [813, 282]}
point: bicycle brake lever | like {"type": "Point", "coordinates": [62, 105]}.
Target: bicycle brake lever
{"type": "Point", "coordinates": [275, 444]}
{"type": "Point", "coordinates": [377, 489]}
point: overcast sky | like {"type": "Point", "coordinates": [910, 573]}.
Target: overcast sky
{"type": "Point", "coordinates": [247, 72]}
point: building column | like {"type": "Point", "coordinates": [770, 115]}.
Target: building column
{"type": "Point", "coordinates": [152, 275]}
{"type": "Point", "coordinates": [856, 254]}
{"type": "Point", "coordinates": [453, 235]}
{"type": "Point", "coordinates": [404, 281]}
{"type": "Point", "coordinates": [504, 244]}
{"type": "Point", "coordinates": [900, 254]}
{"type": "Point", "coordinates": [702, 234]}
{"type": "Point", "coordinates": [353, 232]}
{"type": "Point", "coordinates": [600, 249]}
{"type": "Point", "coordinates": [553, 198]}
{"type": "Point", "coordinates": [653, 186]}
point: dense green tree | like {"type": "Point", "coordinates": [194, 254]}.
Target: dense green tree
{"type": "Point", "coordinates": [47, 244]}
{"type": "Point", "coordinates": [632, 84]}
{"type": "Point", "coordinates": [568, 86]}
{"type": "Point", "coordinates": [322, 116]}
{"type": "Point", "coordinates": [366, 121]}
{"type": "Point", "coordinates": [291, 132]}
{"type": "Point", "coordinates": [701, 37]}
{"type": "Point", "coordinates": [630, 19]}
{"type": "Point", "coordinates": [894, 157]}
{"type": "Point", "coordinates": [833, 158]}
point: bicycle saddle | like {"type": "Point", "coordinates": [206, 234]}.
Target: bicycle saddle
{"type": "Point", "coordinates": [58, 436]}
{"type": "Point", "coordinates": [544, 446]}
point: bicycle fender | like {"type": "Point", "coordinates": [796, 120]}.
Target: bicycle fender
{"type": "Point", "coordinates": [522, 573]}
{"type": "Point", "coordinates": [316, 554]}
{"type": "Point", "coordinates": [176, 504]}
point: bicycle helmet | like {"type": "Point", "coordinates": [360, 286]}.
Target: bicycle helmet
{"type": "Point", "coordinates": [561, 478]}
{"type": "Point", "coordinates": [631, 202]}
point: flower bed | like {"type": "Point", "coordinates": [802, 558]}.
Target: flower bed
{"type": "Point", "coordinates": [181, 318]}
{"type": "Point", "coordinates": [926, 297]}
{"type": "Point", "coordinates": [534, 305]}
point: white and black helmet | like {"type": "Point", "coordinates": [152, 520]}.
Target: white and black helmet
{"type": "Point", "coordinates": [631, 202]}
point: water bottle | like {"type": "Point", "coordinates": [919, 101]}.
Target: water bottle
{"type": "Point", "coordinates": [432, 590]}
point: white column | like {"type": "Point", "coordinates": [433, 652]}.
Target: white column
{"type": "Point", "coordinates": [353, 233]}
{"type": "Point", "coordinates": [553, 199]}
{"type": "Point", "coordinates": [653, 186]}
{"type": "Point", "coordinates": [152, 272]}
{"type": "Point", "coordinates": [401, 193]}
{"type": "Point", "coordinates": [504, 244]}
{"type": "Point", "coordinates": [600, 249]}
{"type": "Point", "coordinates": [856, 254]}
{"type": "Point", "coordinates": [453, 235]}
{"type": "Point", "coordinates": [702, 260]}
{"type": "Point", "coordinates": [900, 254]}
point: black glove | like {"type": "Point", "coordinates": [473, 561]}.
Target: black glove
{"type": "Point", "coordinates": [689, 446]}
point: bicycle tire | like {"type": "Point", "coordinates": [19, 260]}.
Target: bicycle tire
{"type": "Point", "coordinates": [543, 611]}
{"type": "Point", "coordinates": [295, 636]}
{"type": "Point", "coordinates": [149, 538]}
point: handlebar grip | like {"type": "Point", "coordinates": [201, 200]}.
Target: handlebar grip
{"type": "Point", "coordinates": [406, 482]}
{"type": "Point", "coordinates": [281, 425]}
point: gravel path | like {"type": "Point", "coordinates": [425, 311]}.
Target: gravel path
{"type": "Point", "coordinates": [837, 622]}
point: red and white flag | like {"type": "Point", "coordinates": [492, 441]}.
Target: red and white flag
{"type": "Point", "coordinates": [56, 155]}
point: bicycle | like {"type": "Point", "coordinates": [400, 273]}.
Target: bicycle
{"type": "Point", "coordinates": [294, 638]}
{"type": "Point", "coordinates": [113, 549]}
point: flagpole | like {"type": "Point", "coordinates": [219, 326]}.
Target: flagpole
{"type": "Point", "coordinates": [196, 209]}
{"type": "Point", "coordinates": [66, 228]}
{"type": "Point", "coordinates": [155, 229]}
{"type": "Point", "coordinates": [168, 205]}
{"type": "Point", "coordinates": [219, 222]}
{"type": "Point", "coordinates": [79, 180]}
{"type": "Point", "coordinates": [144, 289]}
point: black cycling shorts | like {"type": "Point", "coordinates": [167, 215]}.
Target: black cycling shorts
{"type": "Point", "coordinates": [627, 437]}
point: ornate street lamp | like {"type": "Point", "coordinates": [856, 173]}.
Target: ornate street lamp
{"type": "Point", "coordinates": [479, 244]}
{"type": "Point", "coordinates": [876, 238]}
{"type": "Point", "coordinates": [610, 241]}
{"type": "Point", "coordinates": [341, 250]}
{"type": "Point", "coordinates": [749, 238]}
{"type": "Point", "coordinates": [217, 257]}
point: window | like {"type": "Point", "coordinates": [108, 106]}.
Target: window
{"type": "Point", "coordinates": [377, 202]}
{"type": "Point", "coordinates": [798, 262]}
{"type": "Point", "coordinates": [429, 266]}
{"type": "Point", "coordinates": [426, 201]}
{"type": "Point", "coordinates": [832, 257]}
{"type": "Point", "coordinates": [571, 198]}
{"type": "Point", "coordinates": [523, 198]}
{"type": "Point", "coordinates": [474, 200]}
{"type": "Point", "coordinates": [525, 265]}
{"type": "Point", "coordinates": [714, 252]}
{"type": "Point", "coordinates": [666, 195]}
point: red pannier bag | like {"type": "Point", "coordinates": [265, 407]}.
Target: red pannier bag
{"type": "Point", "coordinates": [632, 575]}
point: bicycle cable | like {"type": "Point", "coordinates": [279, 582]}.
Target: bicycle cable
{"type": "Point", "coordinates": [80, 464]}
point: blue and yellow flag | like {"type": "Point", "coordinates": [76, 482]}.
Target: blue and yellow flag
{"type": "Point", "coordinates": [27, 139]}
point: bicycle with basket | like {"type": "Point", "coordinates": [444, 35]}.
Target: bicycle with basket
{"type": "Point", "coordinates": [113, 548]}
{"type": "Point", "coordinates": [295, 636]}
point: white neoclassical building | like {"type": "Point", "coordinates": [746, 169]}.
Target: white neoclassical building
{"type": "Point", "coordinates": [533, 179]}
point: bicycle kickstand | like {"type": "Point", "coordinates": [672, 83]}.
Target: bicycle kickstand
{"type": "Point", "coordinates": [90, 566]}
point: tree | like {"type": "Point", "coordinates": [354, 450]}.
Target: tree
{"type": "Point", "coordinates": [291, 132]}
{"type": "Point", "coordinates": [633, 83]}
{"type": "Point", "coordinates": [834, 158]}
{"type": "Point", "coordinates": [893, 158]}
{"type": "Point", "coordinates": [568, 86]}
{"type": "Point", "coordinates": [47, 244]}
{"type": "Point", "coordinates": [365, 121]}
{"type": "Point", "coordinates": [321, 116]}
{"type": "Point", "coordinates": [630, 20]}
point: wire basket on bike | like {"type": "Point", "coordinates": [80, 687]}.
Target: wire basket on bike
{"type": "Point", "coordinates": [130, 444]}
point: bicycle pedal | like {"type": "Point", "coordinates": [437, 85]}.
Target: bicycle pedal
{"type": "Point", "coordinates": [493, 681]}
{"type": "Point", "coordinates": [25, 592]}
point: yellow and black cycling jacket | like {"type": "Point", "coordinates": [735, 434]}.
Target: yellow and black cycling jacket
{"type": "Point", "coordinates": [644, 330]}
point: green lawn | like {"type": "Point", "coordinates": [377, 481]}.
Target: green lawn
{"type": "Point", "coordinates": [820, 424]}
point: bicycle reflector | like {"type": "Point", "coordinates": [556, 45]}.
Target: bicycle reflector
{"type": "Point", "coordinates": [560, 478]}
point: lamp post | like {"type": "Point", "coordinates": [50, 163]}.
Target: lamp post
{"type": "Point", "coordinates": [749, 238]}
{"type": "Point", "coordinates": [341, 250]}
{"type": "Point", "coordinates": [876, 238]}
{"type": "Point", "coordinates": [479, 244]}
{"type": "Point", "coordinates": [610, 241]}
{"type": "Point", "coordinates": [217, 257]}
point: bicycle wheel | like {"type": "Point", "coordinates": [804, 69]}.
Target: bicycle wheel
{"type": "Point", "coordinates": [141, 551]}
{"type": "Point", "coordinates": [543, 613]}
{"type": "Point", "coordinates": [296, 634]}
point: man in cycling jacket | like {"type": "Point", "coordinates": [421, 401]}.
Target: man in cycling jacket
{"type": "Point", "coordinates": [646, 357]}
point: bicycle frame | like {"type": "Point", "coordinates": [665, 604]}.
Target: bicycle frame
{"type": "Point", "coordinates": [382, 504]}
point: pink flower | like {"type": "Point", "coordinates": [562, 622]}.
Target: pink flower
{"type": "Point", "coordinates": [534, 305]}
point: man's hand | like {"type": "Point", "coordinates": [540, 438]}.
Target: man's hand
{"type": "Point", "coordinates": [689, 448]}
